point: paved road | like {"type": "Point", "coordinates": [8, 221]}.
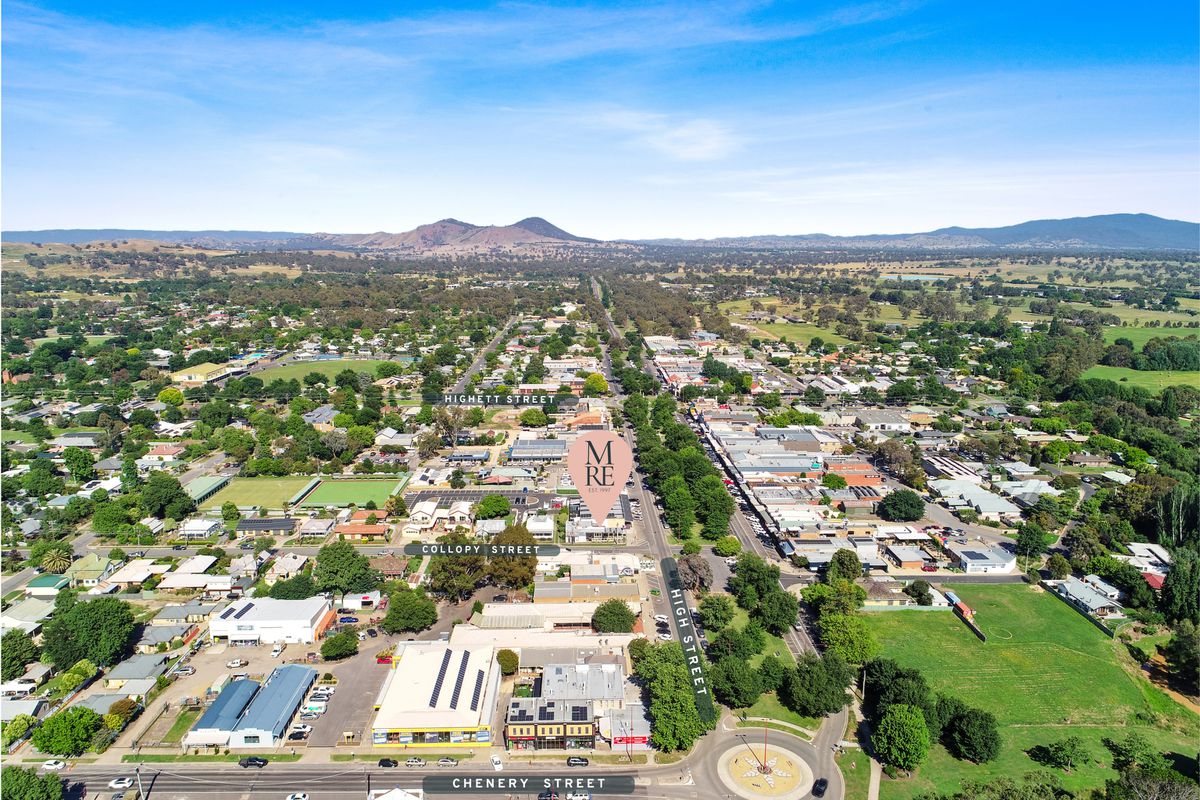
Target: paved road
{"type": "Point", "coordinates": [481, 357]}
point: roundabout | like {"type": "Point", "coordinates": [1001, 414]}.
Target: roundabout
{"type": "Point", "coordinates": [752, 771]}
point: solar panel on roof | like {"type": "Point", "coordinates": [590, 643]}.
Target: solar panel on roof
{"type": "Point", "coordinates": [478, 691]}
{"type": "Point", "coordinates": [225, 614]}
{"type": "Point", "coordinates": [244, 609]}
{"type": "Point", "coordinates": [437, 685]}
{"type": "Point", "coordinates": [458, 682]}
{"type": "Point", "coordinates": [579, 713]}
{"type": "Point", "coordinates": [974, 556]}
{"type": "Point", "coordinates": [545, 713]}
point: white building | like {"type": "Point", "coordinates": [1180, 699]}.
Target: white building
{"type": "Point", "coordinates": [258, 620]}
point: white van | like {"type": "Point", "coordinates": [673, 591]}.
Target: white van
{"type": "Point", "coordinates": [277, 650]}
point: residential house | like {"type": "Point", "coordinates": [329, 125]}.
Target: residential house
{"type": "Point", "coordinates": [90, 570]}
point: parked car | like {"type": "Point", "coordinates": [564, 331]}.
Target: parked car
{"type": "Point", "coordinates": [179, 547]}
{"type": "Point", "coordinates": [388, 763]}
{"type": "Point", "coordinates": [447, 762]}
{"type": "Point", "coordinates": [577, 761]}
{"type": "Point", "coordinates": [236, 662]}
{"type": "Point", "coordinates": [186, 669]}
{"type": "Point", "coordinates": [819, 787]}
{"type": "Point", "coordinates": [497, 764]}
{"type": "Point", "coordinates": [301, 727]}
{"type": "Point", "coordinates": [297, 736]}
{"type": "Point", "coordinates": [663, 618]}
{"type": "Point", "coordinates": [276, 650]}
{"type": "Point", "coordinates": [414, 762]}
{"type": "Point", "coordinates": [549, 794]}
{"type": "Point", "coordinates": [257, 762]}
{"type": "Point", "coordinates": [347, 620]}
{"type": "Point", "coordinates": [928, 568]}
{"type": "Point", "coordinates": [372, 633]}
{"type": "Point", "coordinates": [297, 796]}
{"type": "Point", "coordinates": [310, 715]}
{"type": "Point", "coordinates": [664, 637]}
{"type": "Point", "coordinates": [54, 765]}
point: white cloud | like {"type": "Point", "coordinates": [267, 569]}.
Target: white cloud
{"type": "Point", "coordinates": [695, 139]}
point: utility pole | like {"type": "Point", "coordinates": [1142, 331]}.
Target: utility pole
{"type": "Point", "coordinates": [137, 774]}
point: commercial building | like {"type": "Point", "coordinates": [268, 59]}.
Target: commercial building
{"type": "Point", "coordinates": [199, 374]}
{"type": "Point", "coordinates": [258, 620]}
{"type": "Point", "coordinates": [535, 723]}
{"type": "Point", "coordinates": [214, 727]}
{"type": "Point", "coordinates": [437, 695]}
{"type": "Point", "coordinates": [264, 723]}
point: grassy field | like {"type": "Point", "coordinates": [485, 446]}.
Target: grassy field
{"type": "Point", "coordinates": [327, 368]}
{"type": "Point", "coordinates": [247, 492]}
{"type": "Point", "coordinates": [1154, 380]}
{"type": "Point", "coordinates": [1139, 336]}
{"type": "Point", "coordinates": [345, 492]}
{"type": "Point", "coordinates": [768, 705]}
{"type": "Point", "coordinates": [1045, 673]}
{"type": "Point", "coordinates": [856, 771]}
{"type": "Point", "coordinates": [91, 339]}
{"type": "Point", "coordinates": [182, 724]}
{"type": "Point", "coordinates": [15, 436]}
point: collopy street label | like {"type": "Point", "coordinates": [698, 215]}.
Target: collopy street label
{"type": "Point", "coordinates": [599, 463]}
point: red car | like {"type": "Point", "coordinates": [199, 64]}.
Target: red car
{"type": "Point", "coordinates": [928, 568]}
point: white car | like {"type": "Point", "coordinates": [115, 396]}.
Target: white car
{"type": "Point", "coordinates": [661, 618]}
{"type": "Point", "coordinates": [497, 764]}
{"type": "Point", "coordinates": [120, 783]}
{"type": "Point", "coordinates": [235, 663]}
{"type": "Point", "coordinates": [302, 727]}
{"type": "Point", "coordinates": [664, 637]}
{"type": "Point", "coordinates": [276, 651]}
{"type": "Point", "coordinates": [54, 765]}
{"type": "Point", "coordinates": [297, 796]}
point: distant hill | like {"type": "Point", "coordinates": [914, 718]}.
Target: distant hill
{"type": "Point", "coordinates": [535, 235]}
{"type": "Point", "coordinates": [1108, 231]}
{"type": "Point", "coordinates": [443, 236]}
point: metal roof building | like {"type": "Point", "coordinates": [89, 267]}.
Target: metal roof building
{"type": "Point", "coordinates": [264, 723]}
{"type": "Point", "coordinates": [214, 727]}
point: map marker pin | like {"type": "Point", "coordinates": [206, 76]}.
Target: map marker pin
{"type": "Point", "coordinates": [599, 462]}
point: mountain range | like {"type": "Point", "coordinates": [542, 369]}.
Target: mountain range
{"type": "Point", "coordinates": [535, 235]}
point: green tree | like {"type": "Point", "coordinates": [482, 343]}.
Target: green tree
{"type": "Point", "coordinates": [67, 733]}
{"type": "Point", "coordinates": [80, 464]}
{"type": "Point", "coordinates": [817, 685]}
{"type": "Point", "coordinates": [902, 505]}
{"type": "Point", "coordinates": [778, 610]}
{"type": "Point", "coordinates": [229, 511]}
{"type": "Point", "coordinates": [727, 546]}
{"type": "Point", "coordinates": [844, 564]}
{"type": "Point", "coordinates": [341, 568]}
{"type": "Point", "coordinates": [513, 571]}
{"type": "Point", "coordinates": [533, 418]}
{"type": "Point", "coordinates": [339, 646]}
{"type": "Point", "coordinates": [848, 636]}
{"type": "Point", "coordinates": [100, 630]}
{"type": "Point", "coordinates": [494, 506]}
{"type": "Point", "coordinates": [1032, 540]}
{"type": "Point", "coordinates": [508, 661]}
{"type": "Point", "coordinates": [973, 735]}
{"type": "Point", "coordinates": [831, 480]}
{"type": "Point", "coordinates": [409, 612]}
{"type": "Point", "coordinates": [716, 611]}
{"type": "Point", "coordinates": [735, 683]}
{"type": "Point", "coordinates": [595, 385]}
{"type": "Point", "coordinates": [901, 739]}
{"type": "Point", "coordinates": [1058, 566]}
{"type": "Point", "coordinates": [16, 651]}
{"type": "Point", "coordinates": [1181, 587]}
{"type": "Point", "coordinates": [613, 616]}
{"type": "Point", "coordinates": [24, 783]}
{"type": "Point", "coordinates": [1182, 652]}
{"type": "Point", "coordinates": [298, 587]}
{"type": "Point", "coordinates": [171, 396]}
{"type": "Point", "coordinates": [695, 573]}
{"type": "Point", "coordinates": [163, 496]}
{"type": "Point", "coordinates": [1066, 753]}
{"type": "Point", "coordinates": [456, 577]}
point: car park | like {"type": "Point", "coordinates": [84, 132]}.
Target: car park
{"type": "Point", "coordinates": [252, 761]}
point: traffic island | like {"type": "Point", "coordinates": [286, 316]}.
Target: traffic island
{"type": "Point", "coordinates": [779, 774]}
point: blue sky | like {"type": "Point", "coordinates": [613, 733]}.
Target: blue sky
{"type": "Point", "coordinates": [609, 119]}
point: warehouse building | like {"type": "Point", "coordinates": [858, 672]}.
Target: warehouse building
{"type": "Point", "coordinates": [437, 695]}
{"type": "Point", "coordinates": [264, 723]}
{"type": "Point", "coordinates": [257, 620]}
{"type": "Point", "coordinates": [214, 727]}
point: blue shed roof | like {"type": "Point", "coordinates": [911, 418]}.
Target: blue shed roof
{"type": "Point", "coordinates": [223, 714]}
{"type": "Point", "coordinates": [278, 699]}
